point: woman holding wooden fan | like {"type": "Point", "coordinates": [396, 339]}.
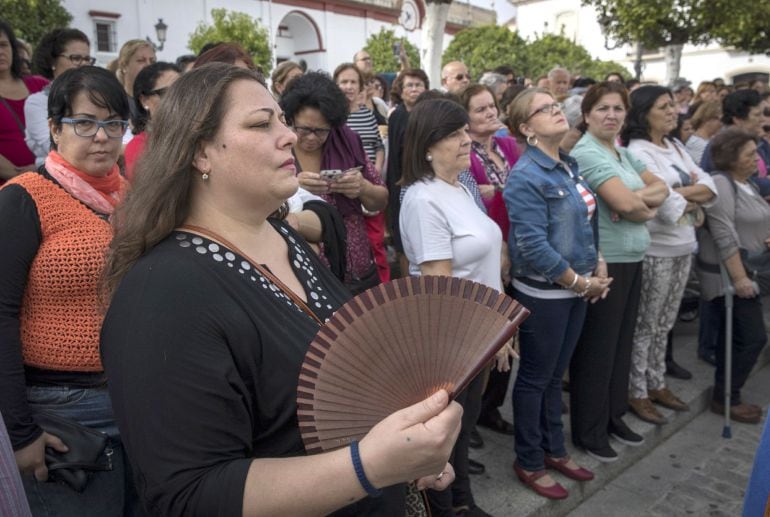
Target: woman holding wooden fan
{"type": "Point", "coordinates": [214, 302]}
{"type": "Point", "coordinates": [556, 268]}
{"type": "Point", "coordinates": [445, 233]}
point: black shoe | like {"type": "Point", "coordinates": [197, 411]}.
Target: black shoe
{"type": "Point", "coordinates": [605, 454]}
{"type": "Point", "coordinates": [676, 371]}
{"type": "Point", "coordinates": [475, 441]}
{"type": "Point", "coordinates": [473, 511]}
{"type": "Point", "coordinates": [494, 422]}
{"type": "Point", "coordinates": [622, 433]}
{"type": "Point", "coordinates": [475, 468]}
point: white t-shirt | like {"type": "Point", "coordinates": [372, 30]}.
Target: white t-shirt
{"type": "Point", "coordinates": [440, 221]}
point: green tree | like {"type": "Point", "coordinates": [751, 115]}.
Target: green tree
{"type": "Point", "coordinates": [747, 28]}
{"type": "Point", "coordinates": [31, 19]}
{"type": "Point", "coordinates": [238, 27]}
{"type": "Point", "coordinates": [550, 50]}
{"type": "Point", "coordinates": [673, 23]}
{"type": "Point", "coordinates": [486, 47]}
{"type": "Point", "coordinates": [380, 48]}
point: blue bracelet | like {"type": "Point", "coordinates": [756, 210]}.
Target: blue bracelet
{"type": "Point", "coordinates": [359, 468]}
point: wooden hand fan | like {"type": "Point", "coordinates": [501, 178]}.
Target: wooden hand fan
{"type": "Point", "coordinates": [394, 345]}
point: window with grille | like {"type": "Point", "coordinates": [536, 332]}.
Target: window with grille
{"type": "Point", "coordinates": [106, 40]}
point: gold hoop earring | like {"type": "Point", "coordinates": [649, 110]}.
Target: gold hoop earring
{"type": "Point", "coordinates": [532, 140]}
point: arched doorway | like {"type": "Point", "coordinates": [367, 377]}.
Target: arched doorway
{"type": "Point", "coordinates": [298, 38]}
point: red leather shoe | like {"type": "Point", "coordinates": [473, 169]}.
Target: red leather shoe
{"type": "Point", "coordinates": [528, 478]}
{"type": "Point", "coordinates": [560, 464]}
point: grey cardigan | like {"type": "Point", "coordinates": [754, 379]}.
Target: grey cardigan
{"type": "Point", "coordinates": [738, 219]}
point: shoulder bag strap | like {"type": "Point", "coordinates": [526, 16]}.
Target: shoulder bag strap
{"type": "Point", "coordinates": [13, 114]}
{"type": "Point", "coordinates": [262, 270]}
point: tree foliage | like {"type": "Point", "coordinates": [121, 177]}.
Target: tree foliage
{"type": "Point", "coordinates": [380, 47]}
{"type": "Point", "coordinates": [658, 23]}
{"type": "Point", "coordinates": [238, 27]}
{"type": "Point", "coordinates": [552, 50]}
{"type": "Point", "coordinates": [486, 47]}
{"type": "Point", "coordinates": [31, 19]}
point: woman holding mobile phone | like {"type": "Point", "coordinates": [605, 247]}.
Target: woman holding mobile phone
{"type": "Point", "coordinates": [317, 111]}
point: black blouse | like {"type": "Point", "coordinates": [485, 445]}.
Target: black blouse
{"type": "Point", "coordinates": [203, 355]}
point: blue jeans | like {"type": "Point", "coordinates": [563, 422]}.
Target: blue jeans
{"type": "Point", "coordinates": [547, 339]}
{"type": "Point", "coordinates": [109, 493]}
{"type": "Point", "coordinates": [708, 327]}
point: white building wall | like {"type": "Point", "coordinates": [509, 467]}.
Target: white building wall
{"type": "Point", "coordinates": [341, 35]}
{"type": "Point", "coordinates": [699, 63]}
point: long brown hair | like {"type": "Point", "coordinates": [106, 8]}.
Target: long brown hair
{"type": "Point", "coordinates": [159, 200]}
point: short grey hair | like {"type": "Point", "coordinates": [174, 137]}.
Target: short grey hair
{"type": "Point", "coordinates": [493, 80]}
{"type": "Point", "coordinates": [555, 70]}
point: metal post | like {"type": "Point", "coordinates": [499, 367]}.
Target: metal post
{"type": "Point", "coordinates": [729, 292]}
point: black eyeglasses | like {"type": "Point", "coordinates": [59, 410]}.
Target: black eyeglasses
{"type": "Point", "coordinates": [160, 92]}
{"type": "Point", "coordinates": [460, 77]}
{"type": "Point", "coordinates": [77, 59]}
{"type": "Point", "coordinates": [548, 109]}
{"type": "Point", "coordinates": [319, 132]}
{"type": "Point", "coordinates": [88, 127]}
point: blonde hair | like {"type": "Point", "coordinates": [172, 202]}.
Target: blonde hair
{"type": "Point", "coordinates": [706, 111]}
{"type": "Point", "coordinates": [281, 72]}
{"type": "Point", "coordinates": [518, 109]}
{"type": "Point", "coordinates": [127, 51]}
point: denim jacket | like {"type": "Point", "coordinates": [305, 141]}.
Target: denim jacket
{"type": "Point", "coordinates": [550, 230]}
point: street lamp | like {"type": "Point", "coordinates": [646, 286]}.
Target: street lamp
{"type": "Point", "coordinates": [160, 33]}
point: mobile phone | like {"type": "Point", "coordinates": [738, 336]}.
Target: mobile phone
{"type": "Point", "coordinates": [330, 174]}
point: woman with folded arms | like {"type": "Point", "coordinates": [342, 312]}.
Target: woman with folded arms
{"type": "Point", "coordinates": [209, 324]}
{"type": "Point", "coordinates": [553, 245]}
{"type": "Point", "coordinates": [666, 265]}
{"type": "Point", "coordinates": [54, 233]}
{"type": "Point", "coordinates": [628, 196]}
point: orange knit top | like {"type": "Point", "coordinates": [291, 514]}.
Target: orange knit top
{"type": "Point", "coordinates": [60, 317]}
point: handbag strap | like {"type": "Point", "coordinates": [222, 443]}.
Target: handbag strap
{"type": "Point", "coordinates": [262, 270]}
{"type": "Point", "coordinates": [13, 114]}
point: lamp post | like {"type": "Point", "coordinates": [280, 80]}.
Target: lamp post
{"type": "Point", "coordinates": [160, 33]}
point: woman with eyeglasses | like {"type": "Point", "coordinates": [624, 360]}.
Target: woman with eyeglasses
{"type": "Point", "coordinates": [54, 233]}
{"type": "Point", "coordinates": [57, 52]}
{"type": "Point", "coordinates": [15, 89]}
{"type": "Point", "coordinates": [332, 164]}
{"type": "Point", "coordinates": [149, 87]}
{"type": "Point", "coordinates": [553, 245]}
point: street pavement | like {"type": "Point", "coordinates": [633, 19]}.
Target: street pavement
{"type": "Point", "coordinates": [695, 472]}
{"type": "Point", "coordinates": [684, 468]}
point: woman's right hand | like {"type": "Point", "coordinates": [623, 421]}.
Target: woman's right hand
{"type": "Point", "coordinates": [599, 288]}
{"type": "Point", "coordinates": [31, 459]}
{"type": "Point", "coordinates": [412, 443]}
{"type": "Point", "coordinates": [313, 183]}
{"type": "Point", "coordinates": [744, 288]}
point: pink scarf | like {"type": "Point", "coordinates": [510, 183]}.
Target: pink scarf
{"type": "Point", "coordinates": [100, 193]}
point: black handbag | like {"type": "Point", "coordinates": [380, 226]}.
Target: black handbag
{"type": "Point", "coordinates": [88, 451]}
{"type": "Point", "coordinates": [369, 279]}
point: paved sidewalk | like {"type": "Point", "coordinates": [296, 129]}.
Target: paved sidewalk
{"type": "Point", "coordinates": [502, 495]}
{"type": "Point", "coordinates": [695, 472]}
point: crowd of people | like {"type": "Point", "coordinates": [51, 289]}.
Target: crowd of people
{"type": "Point", "coordinates": [174, 234]}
